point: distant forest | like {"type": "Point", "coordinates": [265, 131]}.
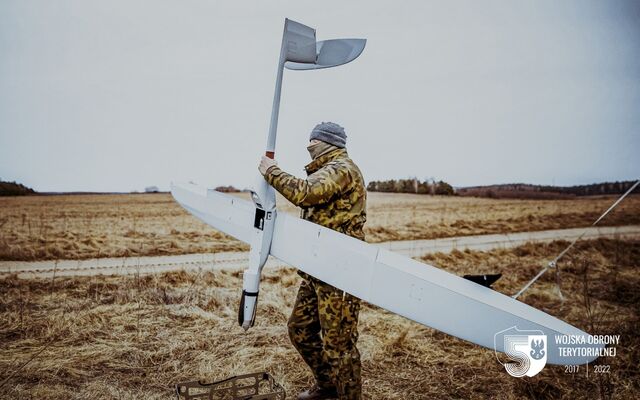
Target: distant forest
{"type": "Point", "coordinates": [511, 190]}
{"type": "Point", "coordinates": [411, 186]}
{"type": "Point", "coordinates": [227, 189]}
{"type": "Point", "coordinates": [14, 189]}
{"type": "Point", "coordinates": [522, 190]}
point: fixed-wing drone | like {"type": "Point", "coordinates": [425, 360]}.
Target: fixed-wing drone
{"type": "Point", "coordinates": [415, 290]}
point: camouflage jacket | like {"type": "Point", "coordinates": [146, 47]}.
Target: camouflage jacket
{"type": "Point", "coordinates": [333, 195]}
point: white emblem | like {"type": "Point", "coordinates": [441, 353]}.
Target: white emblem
{"type": "Point", "coordinates": [526, 351]}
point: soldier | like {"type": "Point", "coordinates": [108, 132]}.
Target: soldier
{"type": "Point", "coordinates": [323, 326]}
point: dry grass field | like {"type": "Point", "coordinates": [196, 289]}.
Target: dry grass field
{"type": "Point", "coordinates": [90, 226]}
{"type": "Point", "coordinates": [134, 337]}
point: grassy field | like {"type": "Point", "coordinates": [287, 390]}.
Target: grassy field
{"type": "Point", "coordinates": [88, 226]}
{"type": "Point", "coordinates": [134, 337]}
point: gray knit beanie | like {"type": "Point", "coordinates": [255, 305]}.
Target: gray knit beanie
{"type": "Point", "coordinates": [330, 133]}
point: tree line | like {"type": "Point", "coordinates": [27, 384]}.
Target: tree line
{"type": "Point", "coordinates": [521, 190]}
{"type": "Point", "coordinates": [14, 189]}
{"type": "Point", "coordinates": [412, 185]}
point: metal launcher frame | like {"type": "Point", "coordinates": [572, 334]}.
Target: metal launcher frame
{"type": "Point", "coordinates": [254, 386]}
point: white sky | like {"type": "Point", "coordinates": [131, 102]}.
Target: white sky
{"type": "Point", "coordinates": [119, 95]}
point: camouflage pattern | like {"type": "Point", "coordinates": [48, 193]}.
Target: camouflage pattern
{"type": "Point", "coordinates": [333, 195]}
{"type": "Point", "coordinates": [323, 325]}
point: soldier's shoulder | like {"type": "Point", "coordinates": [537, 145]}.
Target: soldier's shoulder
{"type": "Point", "coordinates": [349, 166]}
{"type": "Point", "coordinates": [342, 163]}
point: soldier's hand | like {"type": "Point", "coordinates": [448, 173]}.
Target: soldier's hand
{"type": "Point", "coordinates": [265, 163]}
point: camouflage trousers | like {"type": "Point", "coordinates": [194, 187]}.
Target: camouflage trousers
{"type": "Point", "coordinates": [323, 327]}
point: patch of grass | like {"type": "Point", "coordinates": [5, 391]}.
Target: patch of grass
{"type": "Point", "coordinates": [129, 225]}
{"type": "Point", "coordinates": [134, 337]}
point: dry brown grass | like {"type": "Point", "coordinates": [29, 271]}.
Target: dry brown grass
{"type": "Point", "coordinates": [88, 226]}
{"type": "Point", "coordinates": [396, 216]}
{"type": "Point", "coordinates": [133, 337]}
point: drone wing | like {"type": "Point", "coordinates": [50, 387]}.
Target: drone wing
{"type": "Point", "coordinates": [229, 214]}
{"type": "Point", "coordinates": [415, 290]}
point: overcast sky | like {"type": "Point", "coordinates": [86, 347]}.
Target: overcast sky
{"type": "Point", "coordinates": [119, 95]}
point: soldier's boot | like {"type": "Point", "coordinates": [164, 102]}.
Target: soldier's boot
{"type": "Point", "coordinates": [350, 392]}
{"type": "Point", "coordinates": [318, 393]}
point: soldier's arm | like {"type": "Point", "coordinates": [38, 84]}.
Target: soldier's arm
{"type": "Point", "coordinates": [317, 189]}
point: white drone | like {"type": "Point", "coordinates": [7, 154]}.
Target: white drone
{"type": "Point", "coordinates": [415, 290]}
